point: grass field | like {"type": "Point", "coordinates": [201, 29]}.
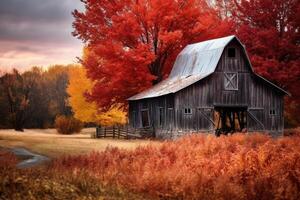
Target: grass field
{"type": "Point", "coordinates": [48, 142]}
{"type": "Point", "coordinates": [236, 167]}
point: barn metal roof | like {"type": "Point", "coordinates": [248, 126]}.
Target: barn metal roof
{"type": "Point", "coordinates": [194, 62]}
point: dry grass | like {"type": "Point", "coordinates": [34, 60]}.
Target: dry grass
{"type": "Point", "coordinates": [237, 167]}
{"type": "Point", "coordinates": [48, 142]}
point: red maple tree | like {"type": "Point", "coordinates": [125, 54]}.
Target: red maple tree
{"type": "Point", "coordinates": [132, 44]}
{"type": "Point", "coordinates": [270, 31]}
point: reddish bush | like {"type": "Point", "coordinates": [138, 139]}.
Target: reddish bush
{"type": "Point", "coordinates": [46, 183]}
{"type": "Point", "coordinates": [292, 132]}
{"type": "Point", "coordinates": [68, 125]}
{"type": "Point", "coordinates": [200, 167]}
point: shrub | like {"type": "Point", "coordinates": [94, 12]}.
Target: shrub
{"type": "Point", "coordinates": [68, 125]}
{"type": "Point", "coordinates": [292, 132]}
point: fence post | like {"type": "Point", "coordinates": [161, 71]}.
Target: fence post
{"type": "Point", "coordinates": [113, 131]}
{"type": "Point", "coordinates": [104, 132]}
{"type": "Point", "coordinates": [99, 134]}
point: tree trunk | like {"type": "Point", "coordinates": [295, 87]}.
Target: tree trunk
{"type": "Point", "coordinates": [156, 69]}
{"type": "Point", "coordinates": [19, 121]}
{"type": "Point", "coordinates": [157, 80]}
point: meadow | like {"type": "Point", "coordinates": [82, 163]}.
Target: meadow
{"type": "Point", "coordinates": [197, 166]}
{"type": "Point", "coordinates": [49, 143]}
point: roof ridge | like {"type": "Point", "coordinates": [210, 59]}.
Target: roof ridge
{"type": "Point", "coordinates": [211, 40]}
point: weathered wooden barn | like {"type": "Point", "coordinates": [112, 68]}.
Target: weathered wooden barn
{"type": "Point", "coordinates": [211, 88]}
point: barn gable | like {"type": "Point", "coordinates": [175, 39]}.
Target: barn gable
{"type": "Point", "coordinates": [194, 63]}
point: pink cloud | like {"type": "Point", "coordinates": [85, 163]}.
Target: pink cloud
{"type": "Point", "coordinates": [35, 34]}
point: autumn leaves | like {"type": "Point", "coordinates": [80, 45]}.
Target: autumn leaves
{"type": "Point", "coordinates": [85, 110]}
{"type": "Point", "coordinates": [133, 44]}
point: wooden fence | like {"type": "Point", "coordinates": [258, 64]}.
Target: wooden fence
{"type": "Point", "coordinates": [123, 132]}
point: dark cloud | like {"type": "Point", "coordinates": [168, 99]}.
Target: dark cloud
{"type": "Point", "coordinates": [29, 27]}
{"type": "Point", "coordinates": [37, 10]}
{"type": "Point", "coordinates": [42, 32]}
{"type": "Point", "coordinates": [49, 20]}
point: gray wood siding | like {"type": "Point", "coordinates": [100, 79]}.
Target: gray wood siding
{"type": "Point", "coordinates": [153, 105]}
{"type": "Point", "coordinates": [237, 64]}
{"type": "Point", "coordinates": [265, 98]}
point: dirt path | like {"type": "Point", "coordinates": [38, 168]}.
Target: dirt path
{"type": "Point", "coordinates": [29, 159]}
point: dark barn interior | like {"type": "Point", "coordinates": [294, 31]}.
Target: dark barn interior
{"type": "Point", "coordinates": [230, 119]}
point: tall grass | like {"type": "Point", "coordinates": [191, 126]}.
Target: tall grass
{"type": "Point", "coordinates": [194, 167]}
{"type": "Point", "coordinates": [48, 183]}
{"type": "Point", "coordinates": [200, 167]}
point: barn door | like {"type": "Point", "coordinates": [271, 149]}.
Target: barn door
{"type": "Point", "coordinates": [204, 117]}
{"type": "Point", "coordinates": [145, 118]}
{"type": "Point", "coordinates": [255, 119]}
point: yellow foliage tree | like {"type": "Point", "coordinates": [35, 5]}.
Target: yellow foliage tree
{"type": "Point", "coordinates": [88, 111]}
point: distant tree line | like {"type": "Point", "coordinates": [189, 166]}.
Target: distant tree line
{"type": "Point", "coordinates": [34, 98]}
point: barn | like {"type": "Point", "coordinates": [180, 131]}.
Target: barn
{"type": "Point", "coordinates": [212, 88]}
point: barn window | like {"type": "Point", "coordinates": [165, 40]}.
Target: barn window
{"type": "Point", "coordinates": [145, 118]}
{"type": "Point", "coordinates": [161, 116]}
{"type": "Point", "coordinates": [187, 111]}
{"type": "Point", "coordinates": [231, 52]}
{"type": "Point", "coordinates": [230, 81]}
{"type": "Point", "coordinates": [272, 112]}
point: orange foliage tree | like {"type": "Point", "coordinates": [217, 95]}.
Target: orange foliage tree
{"type": "Point", "coordinates": [133, 44]}
{"type": "Point", "coordinates": [87, 111]}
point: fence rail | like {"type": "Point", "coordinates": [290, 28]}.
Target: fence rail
{"type": "Point", "coordinates": [123, 132]}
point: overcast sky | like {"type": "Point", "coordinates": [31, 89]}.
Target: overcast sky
{"type": "Point", "coordinates": [37, 33]}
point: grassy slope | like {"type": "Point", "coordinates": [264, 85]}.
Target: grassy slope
{"type": "Point", "coordinates": [49, 143]}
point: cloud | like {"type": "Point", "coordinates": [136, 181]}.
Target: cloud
{"type": "Point", "coordinates": [37, 32]}
{"type": "Point", "coordinates": [23, 56]}
{"type": "Point", "coordinates": [44, 32]}
{"type": "Point", "coordinates": [38, 10]}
